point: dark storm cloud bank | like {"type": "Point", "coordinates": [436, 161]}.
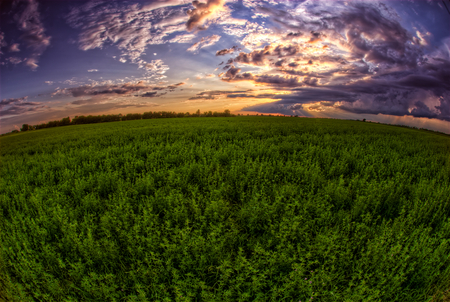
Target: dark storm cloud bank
{"type": "Point", "coordinates": [371, 97]}
{"type": "Point", "coordinates": [422, 92]}
{"type": "Point", "coordinates": [396, 76]}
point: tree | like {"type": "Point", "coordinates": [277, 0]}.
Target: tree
{"type": "Point", "coordinates": [25, 127]}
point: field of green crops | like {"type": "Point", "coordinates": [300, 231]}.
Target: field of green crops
{"type": "Point", "coordinates": [225, 209]}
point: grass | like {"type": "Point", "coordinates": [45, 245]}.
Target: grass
{"type": "Point", "coordinates": [225, 209]}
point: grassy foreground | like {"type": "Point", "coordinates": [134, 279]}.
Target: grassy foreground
{"type": "Point", "coordinates": [225, 209]}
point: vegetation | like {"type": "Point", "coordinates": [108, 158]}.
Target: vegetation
{"type": "Point", "coordinates": [231, 209]}
{"type": "Point", "coordinates": [93, 119]}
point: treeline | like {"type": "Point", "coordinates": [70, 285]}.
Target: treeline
{"type": "Point", "coordinates": [92, 119]}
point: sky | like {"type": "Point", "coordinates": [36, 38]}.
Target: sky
{"type": "Point", "coordinates": [383, 61]}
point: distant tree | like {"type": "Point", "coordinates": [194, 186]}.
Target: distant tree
{"type": "Point", "coordinates": [227, 112]}
{"type": "Point", "coordinates": [25, 127]}
{"type": "Point", "coordinates": [197, 113]}
{"type": "Point", "coordinates": [65, 121]}
{"type": "Point", "coordinates": [364, 119]}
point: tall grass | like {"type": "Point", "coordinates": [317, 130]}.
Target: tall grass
{"type": "Point", "coordinates": [232, 209]}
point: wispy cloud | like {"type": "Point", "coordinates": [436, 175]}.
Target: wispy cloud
{"type": "Point", "coordinates": [29, 22]}
{"type": "Point", "coordinates": [15, 106]}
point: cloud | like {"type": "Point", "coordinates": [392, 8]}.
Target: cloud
{"type": "Point", "coordinates": [14, 60]}
{"type": "Point", "coordinates": [15, 106]}
{"type": "Point", "coordinates": [19, 110]}
{"type": "Point", "coordinates": [49, 82]}
{"type": "Point", "coordinates": [131, 28]}
{"type": "Point", "coordinates": [360, 28]}
{"type": "Point", "coordinates": [214, 94]}
{"type": "Point", "coordinates": [204, 42]}
{"type": "Point", "coordinates": [119, 89]}
{"type": "Point", "coordinates": [14, 47]}
{"type": "Point", "coordinates": [105, 89]}
{"type": "Point", "coordinates": [107, 104]}
{"type": "Point", "coordinates": [201, 12]}
{"type": "Point", "coordinates": [29, 22]}
{"type": "Point", "coordinates": [202, 97]}
{"type": "Point", "coordinates": [209, 75]}
{"type": "Point", "coordinates": [92, 70]}
{"type": "Point", "coordinates": [274, 108]}
{"type": "Point", "coordinates": [13, 101]}
{"type": "Point", "coordinates": [279, 81]}
{"type": "Point", "coordinates": [2, 41]}
{"type": "Point", "coordinates": [84, 102]}
{"type": "Point", "coordinates": [227, 51]}
{"type": "Point", "coordinates": [354, 57]}
{"type": "Point", "coordinates": [156, 68]}
{"type": "Point", "coordinates": [256, 57]}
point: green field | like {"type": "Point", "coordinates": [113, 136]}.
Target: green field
{"type": "Point", "coordinates": [225, 209]}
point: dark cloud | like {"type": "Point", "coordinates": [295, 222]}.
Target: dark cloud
{"type": "Point", "coordinates": [275, 108]}
{"type": "Point", "coordinates": [84, 102]}
{"type": "Point", "coordinates": [172, 87]}
{"type": "Point", "coordinates": [17, 110]}
{"type": "Point", "coordinates": [279, 81]}
{"type": "Point", "coordinates": [226, 51]}
{"type": "Point", "coordinates": [29, 22]}
{"type": "Point", "coordinates": [149, 94]}
{"type": "Point", "coordinates": [293, 35]}
{"type": "Point", "coordinates": [285, 50]}
{"type": "Point", "coordinates": [213, 94]}
{"type": "Point", "coordinates": [16, 106]}
{"type": "Point", "coordinates": [18, 102]}
{"type": "Point", "coordinates": [12, 101]}
{"type": "Point", "coordinates": [420, 81]}
{"type": "Point", "coordinates": [254, 58]}
{"type": "Point", "coordinates": [231, 73]}
{"type": "Point", "coordinates": [111, 89]}
{"type": "Point", "coordinates": [105, 89]}
{"type": "Point", "coordinates": [315, 37]}
{"type": "Point", "coordinates": [202, 97]}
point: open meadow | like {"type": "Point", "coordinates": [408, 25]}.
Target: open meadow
{"type": "Point", "coordinates": [225, 209]}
